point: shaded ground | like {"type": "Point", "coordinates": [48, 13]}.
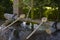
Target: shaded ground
{"type": "Point", "coordinates": [45, 36]}
{"type": "Point", "coordinates": [1, 22]}
{"type": "Point", "coordinates": [37, 36]}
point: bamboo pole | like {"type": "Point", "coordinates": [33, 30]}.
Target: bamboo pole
{"type": "Point", "coordinates": [16, 7]}
{"type": "Point", "coordinates": [19, 19]}
{"type": "Point", "coordinates": [22, 19]}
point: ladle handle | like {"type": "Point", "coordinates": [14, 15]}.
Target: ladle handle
{"type": "Point", "coordinates": [44, 19]}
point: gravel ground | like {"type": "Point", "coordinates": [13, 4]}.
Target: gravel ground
{"type": "Point", "coordinates": [45, 36]}
{"type": "Point", "coordinates": [40, 35]}
{"type": "Point", "coordinates": [37, 36]}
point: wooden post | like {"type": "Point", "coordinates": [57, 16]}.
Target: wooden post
{"type": "Point", "coordinates": [16, 7]}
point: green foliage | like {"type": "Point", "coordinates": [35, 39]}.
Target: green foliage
{"type": "Point", "coordinates": [1, 11]}
{"type": "Point", "coordinates": [38, 8]}
{"type": "Point", "coordinates": [39, 11]}
{"type": "Point", "coordinates": [5, 7]}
